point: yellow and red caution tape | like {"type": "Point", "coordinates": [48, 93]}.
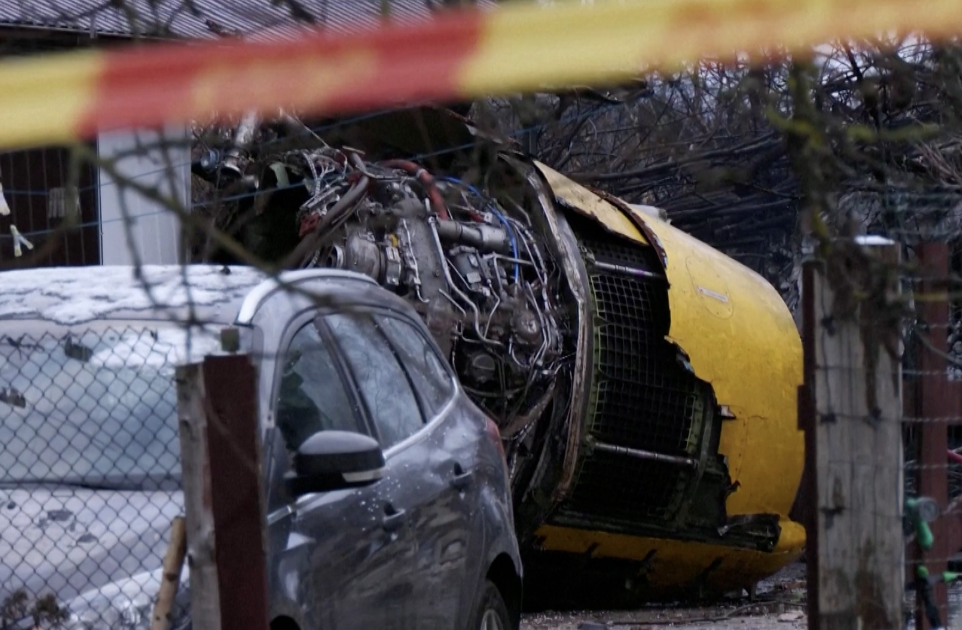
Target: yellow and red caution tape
{"type": "Point", "coordinates": [60, 97]}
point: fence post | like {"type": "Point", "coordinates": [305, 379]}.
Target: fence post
{"type": "Point", "coordinates": [858, 461]}
{"type": "Point", "coordinates": [935, 407]}
{"type": "Point", "coordinates": [223, 494]}
{"type": "Point", "coordinates": [808, 487]}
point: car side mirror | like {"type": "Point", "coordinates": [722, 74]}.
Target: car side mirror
{"type": "Point", "coordinates": [335, 460]}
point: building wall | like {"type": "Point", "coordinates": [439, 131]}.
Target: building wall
{"type": "Point", "coordinates": [95, 230]}
{"type": "Point", "coordinates": [135, 228]}
{"type": "Point", "coordinates": [34, 181]}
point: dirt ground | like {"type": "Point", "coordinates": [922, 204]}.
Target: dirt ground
{"type": "Point", "coordinates": [779, 605]}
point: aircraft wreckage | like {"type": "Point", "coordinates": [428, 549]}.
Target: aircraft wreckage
{"type": "Point", "coordinates": [644, 383]}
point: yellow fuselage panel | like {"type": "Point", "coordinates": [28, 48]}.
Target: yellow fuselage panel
{"type": "Point", "coordinates": [677, 563]}
{"type": "Point", "coordinates": [581, 200]}
{"type": "Point", "coordinates": [741, 338]}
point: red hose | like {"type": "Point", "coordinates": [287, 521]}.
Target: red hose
{"type": "Point", "coordinates": [955, 457]}
{"type": "Point", "coordinates": [437, 201]}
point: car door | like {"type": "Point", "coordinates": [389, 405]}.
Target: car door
{"type": "Point", "coordinates": [384, 594]}
{"type": "Point", "coordinates": [332, 559]}
{"type": "Point", "coordinates": [444, 460]}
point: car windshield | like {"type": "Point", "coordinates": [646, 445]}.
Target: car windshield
{"type": "Point", "coordinates": [95, 408]}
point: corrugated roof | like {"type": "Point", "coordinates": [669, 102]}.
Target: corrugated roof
{"type": "Point", "coordinates": [208, 18]}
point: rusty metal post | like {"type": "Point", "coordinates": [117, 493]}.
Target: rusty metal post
{"type": "Point", "coordinates": [223, 494]}
{"type": "Point", "coordinates": [934, 405]}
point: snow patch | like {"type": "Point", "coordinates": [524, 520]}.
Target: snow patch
{"type": "Point", "coordinates": [171, 347]}
{"type": "Point", "coordinates": [76, 295]}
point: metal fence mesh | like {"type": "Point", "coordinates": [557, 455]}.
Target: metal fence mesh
{"type": "Point", "coordinates": [89, 470]}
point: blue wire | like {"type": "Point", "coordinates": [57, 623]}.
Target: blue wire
{"type": "Point", "coordinates": [494, 210]}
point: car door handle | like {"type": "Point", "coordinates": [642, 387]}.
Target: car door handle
{"type": "Point", "coordinates": [393, 519]}
{"type": "Point", "coordinates": [461, 477]}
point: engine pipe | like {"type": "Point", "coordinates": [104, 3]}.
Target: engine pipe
{"type": "Point", "coordinates": [497, 213]}
{"type": "Point", "coordinates": [481, 235]}
{"type": "Point", "coordinates": [433, 223]}
{"type": "Point", "coordinates": [234, 161]}
{"type": "Point", "coordinates": [427, 180]}
{"type": "Point", "coordinates": [304, 251]}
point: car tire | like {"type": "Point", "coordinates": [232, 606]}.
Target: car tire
{"type": "Point", "coordinates": [491, 612]}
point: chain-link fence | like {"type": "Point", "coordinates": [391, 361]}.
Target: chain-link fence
{"type": "Point", "coordinates": [91, 474]}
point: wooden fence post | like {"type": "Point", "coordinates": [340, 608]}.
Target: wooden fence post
{"type": "Point", "coordinates": [858, 461]}
{"type": "Point", "coordinates": [173, 567]}
{"type": "Point", "coordinates": [223, 494]}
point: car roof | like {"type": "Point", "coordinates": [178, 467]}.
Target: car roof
{"type": "Point", "coordinates": [79, 295]}
{"type": "Point", "coordinates": [71, 296]}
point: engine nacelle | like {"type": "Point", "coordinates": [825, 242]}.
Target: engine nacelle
{"type": "Point", "coordinates": [644, 384]}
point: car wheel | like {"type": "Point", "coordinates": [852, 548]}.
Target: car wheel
{"type": "Point", "coordinates": [492, 613]}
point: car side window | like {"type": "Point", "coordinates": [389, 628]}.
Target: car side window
{"type": "Point", "coordinates": [424, 366]}
{"type": "Point", "coordinates": [311, 396]}
{"type": "Point", "coordinates": [381, 379]}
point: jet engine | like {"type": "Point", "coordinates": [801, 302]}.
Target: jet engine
{"type": "Point", "coordinates": [644, 383]}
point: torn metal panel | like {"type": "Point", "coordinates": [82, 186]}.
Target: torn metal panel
{"type": "Point", "coordinates": [566, 246]}
{"type": "Point", "coordinates": [655, 416]}
{"type": "Point", "coordinates": [735, 338]}
{"type": "Point", "coordinates": [653, 211]}
{"type": "Point", "coordinates": [578, 198]}
{"type": "Point", "coordinates": [631, 208]}
{"type": "Point", "coordinates": [749, 349]}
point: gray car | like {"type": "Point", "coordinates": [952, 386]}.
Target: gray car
{"type": "Point", "coordinates": [89, 452]}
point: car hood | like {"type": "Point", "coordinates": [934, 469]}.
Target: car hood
{"type": "Point", "coordinates": [66, 541]}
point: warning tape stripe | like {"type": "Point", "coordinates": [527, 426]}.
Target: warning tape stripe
{"type": "Point", "coordinates": [522, 46]}
{"type": "Point", "coordinates": [42, 100]}
{"type": "Point", "coordinates": [316, 72]}
{"type": "Point", "coordinates": [528, 47]}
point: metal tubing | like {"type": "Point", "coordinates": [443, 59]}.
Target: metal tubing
{"type": "Point", "coordinates": [480, 235]}
{"type": "Point", "coordinates": [427, 180]}
{"type": "Point", "coordinates": [640, 454]}
{"type": "Point", "coordinates": [631, 271]}
{"type": "Point", "coordinates": [515, 261]}
{"type": "Point", "coordinates": [447, 276]}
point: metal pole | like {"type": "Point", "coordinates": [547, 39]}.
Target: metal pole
{"type": "Point", "coordinates": [934, 404]}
